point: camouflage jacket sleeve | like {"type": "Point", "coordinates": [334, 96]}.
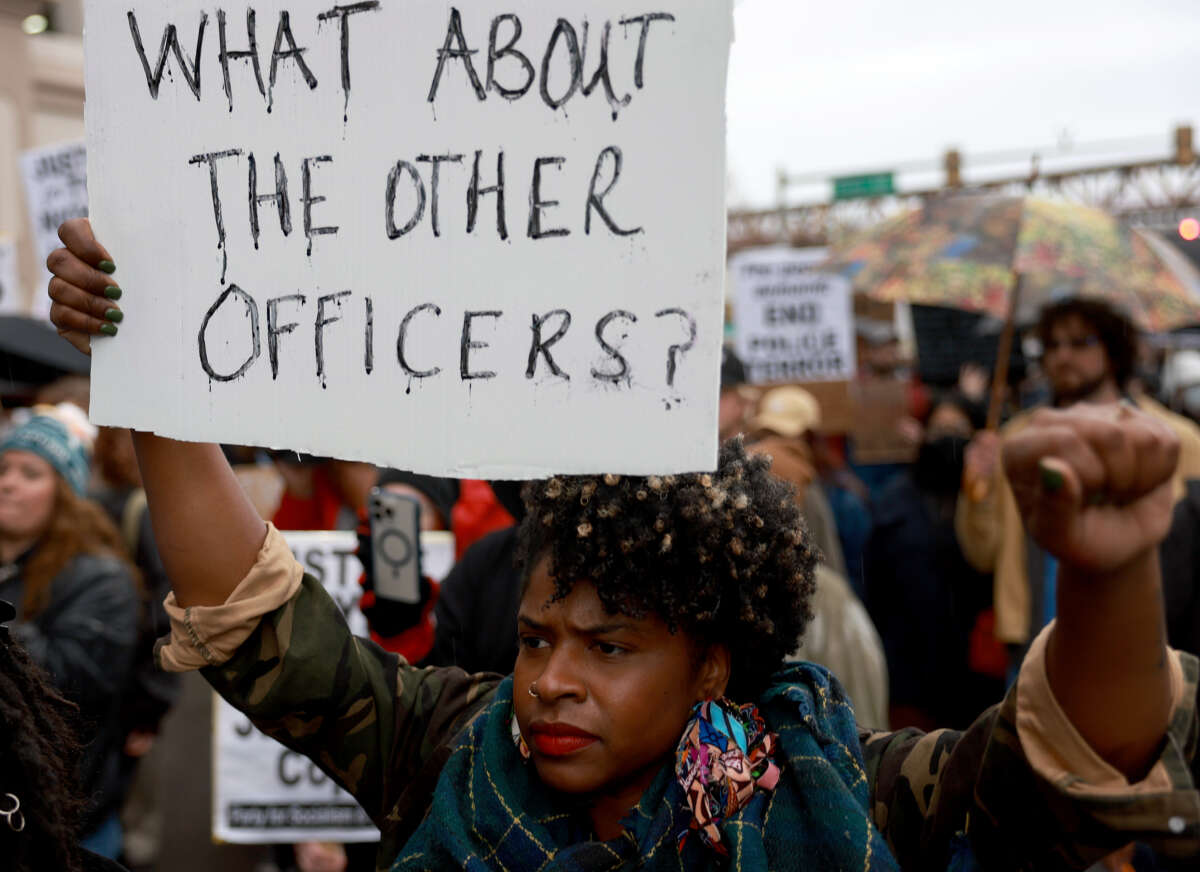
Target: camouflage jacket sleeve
{"type": "Point", "coordinates": [379, 727]}
{"type": "Point", "coordinates": [933, 794]}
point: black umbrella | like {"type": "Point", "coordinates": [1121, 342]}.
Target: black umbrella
{"type": "Point", "coordinates": [33, 354]}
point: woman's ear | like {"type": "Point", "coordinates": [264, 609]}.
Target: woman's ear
{"type": "Point", "coordinates": [713, 676]}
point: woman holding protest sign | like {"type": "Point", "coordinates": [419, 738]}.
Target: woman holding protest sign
{"type": "Point", "coordinates": [649, 721]}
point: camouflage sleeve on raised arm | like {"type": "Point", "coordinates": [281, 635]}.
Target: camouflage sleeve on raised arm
{"type": "Point", "coordinates": [934, 794]}
{"type": "Point", "coordinates": [919, 800]}
{"type": "Point", "coordinates": [368, 719]}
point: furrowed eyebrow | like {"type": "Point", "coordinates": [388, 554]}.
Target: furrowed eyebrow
{"type": "Point", "coordinates": [601, 629]}
{"type": "Point", "coordinates": [593, 630]}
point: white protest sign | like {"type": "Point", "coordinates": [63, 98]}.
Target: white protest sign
{"type": "Point", "coordinates": [265, 794]}
{"type": "Point", "coordinates": [483, 239]}
{"type": "Point", "coordinates": [55, 191]}
{"type": "Point", "coordinates": [793, 322]}
{"type": "Point", "coordinates": [10, 285]}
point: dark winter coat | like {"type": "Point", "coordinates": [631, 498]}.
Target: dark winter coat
{"type": "Point", "coordinates": [924, 599]}
{"type": "Point", "coordinates": [477, 609]}
{"type": "Point", "coordinates": [151, 692]}
{"type": "Point", "coordinates": [1180, 556]}
{"type": "Point", "coordinates": [95, 863]}
{"type": "Point", "coordinates": [85, 639]}
{"type": "Point", "coordinates": [1181, 572]}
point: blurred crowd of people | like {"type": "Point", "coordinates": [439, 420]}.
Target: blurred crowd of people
{"type": "Point", "coordinates": [927, 580]}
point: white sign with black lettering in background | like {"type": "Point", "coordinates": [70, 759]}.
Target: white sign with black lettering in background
{"type": "Point", "coordinates": [792, 322]}
{"type": "Point", "coordinates": [55, 191]}
{"type": "Point", "coordinates": [490, 234]}
{"type": "Point", "coordinates": [265, 794]}
{"type": "Point", "coordinates": [10, 285]}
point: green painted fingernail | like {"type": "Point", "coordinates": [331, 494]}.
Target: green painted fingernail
{"type": "Point", "coordinates": [1052, 480]}
{"type": "Point", "coordinates": [108, 329]}
{"type": "Point", "coordinates": [112, 292]}
{"type": "Point", "coordinates": [107, 266]}
{"type": "Point", "coordinates": [115, 315]}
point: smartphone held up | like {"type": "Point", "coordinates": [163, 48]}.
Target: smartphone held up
{"type": "Point", "coordinates": [395, 521]}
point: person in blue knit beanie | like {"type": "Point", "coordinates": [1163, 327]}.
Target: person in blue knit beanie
{"type": "Point", "coordinates": [63, 567]}
{"type": "Point", "coordinates": [49, 439]}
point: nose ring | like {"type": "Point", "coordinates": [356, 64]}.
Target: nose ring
{"type": "Point", "coordinates": [533, 691]}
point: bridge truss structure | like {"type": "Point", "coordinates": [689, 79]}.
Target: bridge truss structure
{"type": "Point", "coordinates": [1154, 193]}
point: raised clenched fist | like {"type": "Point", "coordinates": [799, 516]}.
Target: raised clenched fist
{"type": "Point", "coordinates": [1093, 483]}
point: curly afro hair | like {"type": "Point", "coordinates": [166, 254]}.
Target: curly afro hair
{"type": "Point", "coordinates": [39, 754]}
{"type": "Point", "coordinates": [724, 556]}
{"type": "Point", "coordinates": [1117, 333]}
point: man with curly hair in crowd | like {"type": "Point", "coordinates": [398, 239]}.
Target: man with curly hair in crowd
{"type": "Point", "coordinates": [1089, 348]}
{"type": "Point", "coordinates": [650, 721]}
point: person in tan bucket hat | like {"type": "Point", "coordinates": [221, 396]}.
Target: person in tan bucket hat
{"type": "Point", "coordinates": [843, 637]}
{"type": "Point", "coordinates": [785, 415]}
{"type": "Point", "coordinates": [789, 411]}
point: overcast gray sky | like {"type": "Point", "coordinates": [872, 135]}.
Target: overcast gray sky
{"type": "Point", "coordinates": [863, 84]}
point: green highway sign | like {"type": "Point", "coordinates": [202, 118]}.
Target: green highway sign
{"type": "Point", "coordinates": [857, 187]}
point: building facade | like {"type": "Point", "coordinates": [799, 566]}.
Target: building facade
{"type": "Point", "coordinates": [41, 103]}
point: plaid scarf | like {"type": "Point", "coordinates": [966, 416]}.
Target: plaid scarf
{"type": "Point", "coordinates": [490, 811]}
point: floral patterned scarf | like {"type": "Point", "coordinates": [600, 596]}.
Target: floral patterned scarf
{"type": "Point", "coordinates": [723, 757]}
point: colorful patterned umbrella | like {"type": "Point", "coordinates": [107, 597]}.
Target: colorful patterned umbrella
{"type": "Point", "coordinates": [967, 251]}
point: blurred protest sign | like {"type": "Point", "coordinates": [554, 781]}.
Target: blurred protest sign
{"type": "Point", "coordinates": [792, 323]}
{"type": "Point", "coordinates": [838, 410]}
{"type": "Point", "coordinates": [56, 190]}
{"type": "Point", "coordinates": [262, 792]}
{"type": "Point", "coordinates": [880, 407]}
{"type": "Point", "coordinates": [492, 237]}
{"type": "Point", "coordinates": [11, 301]}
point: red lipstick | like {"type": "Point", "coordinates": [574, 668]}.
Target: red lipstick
{"type": "Point", "coordinates": [558, 739]}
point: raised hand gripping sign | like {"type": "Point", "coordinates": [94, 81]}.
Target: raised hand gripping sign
{"type": "Point", "coordinates": [483, 239]}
